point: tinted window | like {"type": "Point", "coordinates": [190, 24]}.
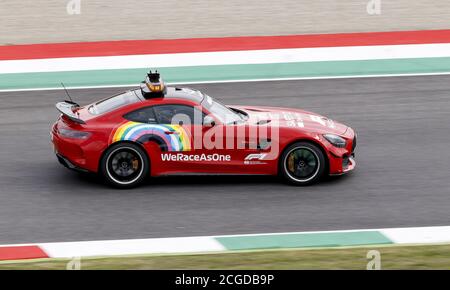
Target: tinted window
{"type": "Point", "coordinates": [113, 103]}
{"type": "Point", "coordinates": [145, 115]}
{"type": "Point", "coordinates": [174, 114]}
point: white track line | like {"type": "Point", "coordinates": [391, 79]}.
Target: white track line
{"type": "Point", "coordinates": [423, 235]}
{"type": "Point", "coordinates": [132, 247]}
{"type": "Point", "coordinates": [227, 58]}
{"type": "Point", "coordinates": [411, 235]}
{"type": "Point", "coordinates": [238, 81]}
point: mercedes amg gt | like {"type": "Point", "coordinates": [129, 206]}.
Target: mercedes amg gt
{"type": "Point", "coordinates": [158, 130]}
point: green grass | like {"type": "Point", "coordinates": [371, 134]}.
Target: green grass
{"type": "Point", "coordinates": [392, 257]}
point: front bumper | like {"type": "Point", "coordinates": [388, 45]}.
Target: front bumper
{"type": "Point", "coordinates": [348, 164]}
{"type": "Point", "coordinates": [343, 161]}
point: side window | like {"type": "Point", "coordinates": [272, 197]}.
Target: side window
{"type": "Point", "coordinates": [113, 103]}
{"type": "Point", "coordinates": [178, 114]}
{"type": "Point", "coordinates": [145, 115]}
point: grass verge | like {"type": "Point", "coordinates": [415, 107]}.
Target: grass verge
{"type": "Point", "coordinates": [392, 257]}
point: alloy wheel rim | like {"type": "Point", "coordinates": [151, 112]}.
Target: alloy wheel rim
{"type": "Point", "coordinates": [125, 165]}
{"type": "Point", "coordinates": [302, 164]}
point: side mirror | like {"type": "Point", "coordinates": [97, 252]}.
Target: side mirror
{"type": "Point", "coordinates": [208, 121]}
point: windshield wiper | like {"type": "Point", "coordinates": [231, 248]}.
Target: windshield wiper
{"type": "Point", "coordinates": [243, 115]}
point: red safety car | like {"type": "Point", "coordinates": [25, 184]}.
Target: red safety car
{"type": "Point", "coordinates": [157, 130]}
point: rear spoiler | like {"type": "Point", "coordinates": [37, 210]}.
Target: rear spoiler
{"type": "Point", "coordinates": [66, 108]}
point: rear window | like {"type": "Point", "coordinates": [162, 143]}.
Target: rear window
{"type": "Point", "coordinates": [114, 103]}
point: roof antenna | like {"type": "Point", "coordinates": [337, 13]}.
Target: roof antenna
{"type": "Point", "coordinates": [70, 98]}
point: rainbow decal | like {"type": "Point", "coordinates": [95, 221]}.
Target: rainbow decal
{"type": "Point", "coordinates": [178, 140]}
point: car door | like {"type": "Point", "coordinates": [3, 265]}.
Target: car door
{"type": "Point", "coordinates": [248, 145]}
{"type": "Point", "coordinates": [178, 123]}
{"type": "Point", "coordinates": [212, 148]}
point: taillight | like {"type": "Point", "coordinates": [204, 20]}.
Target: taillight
{"type": "Point", "coordinates": [73, 134]}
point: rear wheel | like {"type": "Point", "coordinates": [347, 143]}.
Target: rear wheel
{"type": "Point", "coordinates": [125, 165]}
{"type": "Point", "coordinates": [302, 163]}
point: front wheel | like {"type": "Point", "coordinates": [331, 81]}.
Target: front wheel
{"type": "Point", "coordinates": [125, 165]}
{"type": "Point", "coordinates": [302, 163]}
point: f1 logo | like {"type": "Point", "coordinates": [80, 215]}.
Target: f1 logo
{"type": "Point", "coordinates": [254, 158]}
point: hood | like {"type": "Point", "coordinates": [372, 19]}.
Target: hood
{"type": "Point", "coordinates": [289, 117]}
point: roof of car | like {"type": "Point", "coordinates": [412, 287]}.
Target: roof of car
{"type": "Point", "coordinates": [180, 93]}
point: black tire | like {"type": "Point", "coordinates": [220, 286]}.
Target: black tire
{"type": "Point", "coordinates": [302, 163]}
{"type": "Point", "coordinates": [125, 165]}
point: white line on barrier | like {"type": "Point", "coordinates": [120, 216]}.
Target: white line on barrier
{"type": "Point", "coordinates": [236, 81]}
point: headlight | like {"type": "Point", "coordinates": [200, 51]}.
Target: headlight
{"type": "Point", "coordinates": [335, 140]}
{"type": "Point", "coordinates": [73, 134]}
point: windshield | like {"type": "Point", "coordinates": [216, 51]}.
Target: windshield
{"type": "Point", "coordinates": [221, 112]}
{"type": "Point", "coordinates": [113, 103]}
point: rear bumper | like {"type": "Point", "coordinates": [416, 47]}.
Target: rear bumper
{"type": "Point", "coordinates": [79, 155]}
{"type": "Point", "coordinates": [68, 164]}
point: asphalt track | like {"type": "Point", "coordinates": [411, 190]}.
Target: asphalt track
{"type": "Point", "coordinates": [402, 178]}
